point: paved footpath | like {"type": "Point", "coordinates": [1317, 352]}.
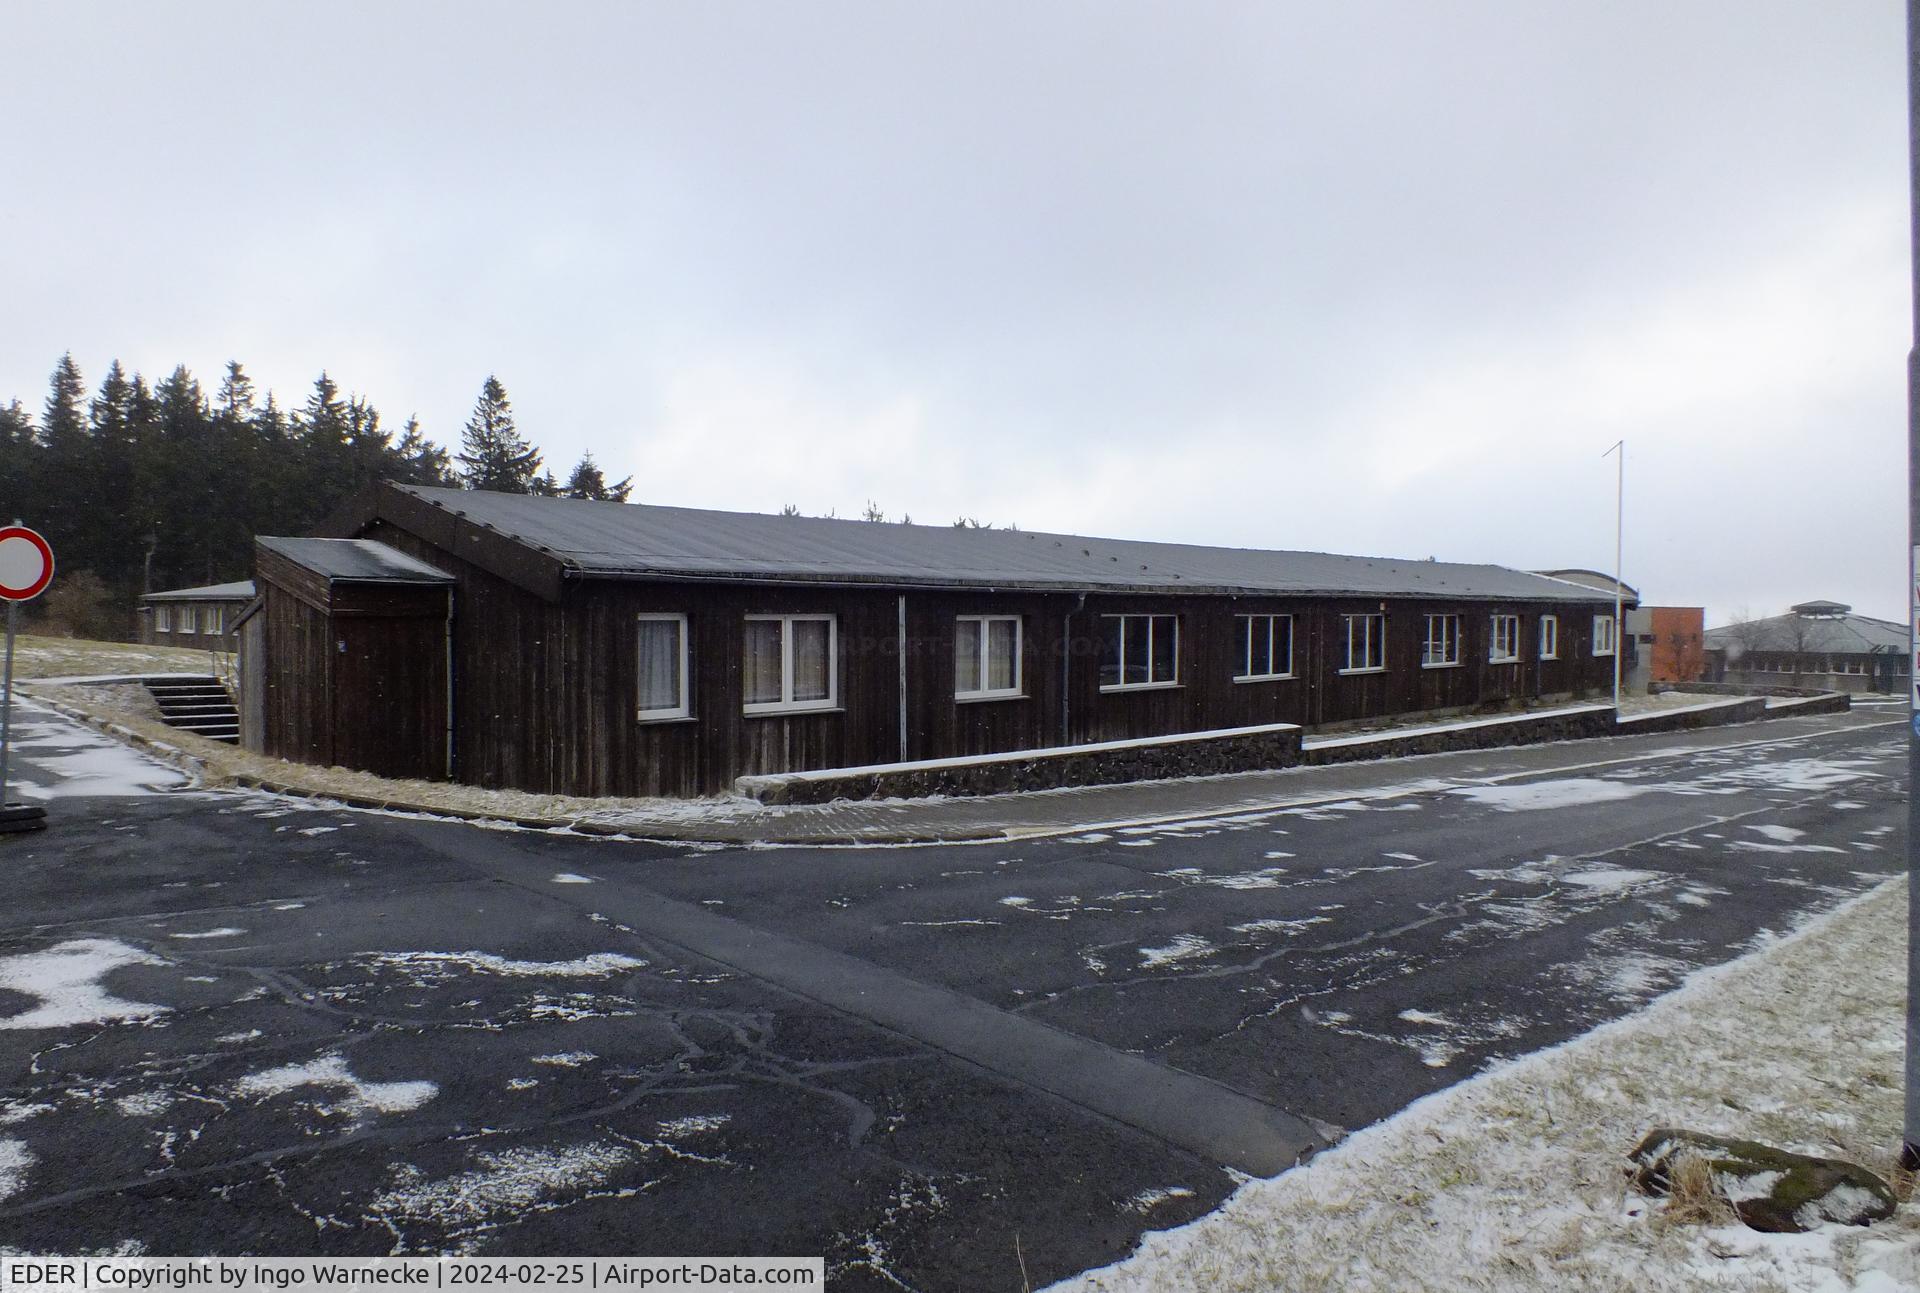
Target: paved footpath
{"type": "Point", "coordinates": [1052, 812]}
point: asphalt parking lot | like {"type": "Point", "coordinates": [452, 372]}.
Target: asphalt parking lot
{"type": "Point", "coordinates": [236, 1023]}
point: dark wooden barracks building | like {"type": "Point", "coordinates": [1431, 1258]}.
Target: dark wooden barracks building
{"type": "Point", "coordinates": [590, 648]}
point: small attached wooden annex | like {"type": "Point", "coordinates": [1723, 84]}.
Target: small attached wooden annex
{"type": "Point", "coordinates": [344, 657]}
{"type": "Point", "coordinates": [613, 649]}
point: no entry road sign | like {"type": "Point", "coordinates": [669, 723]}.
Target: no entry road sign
{"type": "Point", "coordinates": [26, 564]}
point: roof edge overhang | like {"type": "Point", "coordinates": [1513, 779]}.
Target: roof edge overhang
{"type": "Point", "coordinates": [526, 566]}
{"type": "Point", "coordinates": [881, 583]}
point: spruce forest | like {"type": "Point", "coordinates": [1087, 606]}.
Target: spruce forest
{"type": "Point", "coordinates": [143, 487]}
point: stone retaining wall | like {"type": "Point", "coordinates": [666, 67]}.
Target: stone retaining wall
{"type": "Point", "coordinates": [1520, 730]}
{"type": "Point", "coordinates": [1258, 748]}
{"type": "Point", "coordinates": [1741, 709]}
{"type": "Point", "coordinates": [1197, 754]}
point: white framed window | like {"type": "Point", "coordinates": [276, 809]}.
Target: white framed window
{"type": "Point", "coordinates": [1549, 637]}
{"type": "Point", "coordinates": [210, 620]}
{"type": "Point", "coordinates": [1443, 642]}
{"type": "Point", "coordinates": [1603, 635]}
{"type": "Point", "coordinates": [1263, 648]}
{"type": "Point", "coordinates": [1366, 643]}
{"type": "Point", "coordinates": [986, 656]}
{"type": "Point", "coordinates": [663, 667]}
{"type": "Point", "coordinates": [1139, 651]}
{"type": "Point", "coordinates": [1504, 648]}
{"type": "Point", "coordinates": [791, 663]}
{"type": "Point", "coordinates": [162, 618]}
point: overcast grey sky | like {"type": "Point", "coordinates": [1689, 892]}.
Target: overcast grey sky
{"type": "Point", "coordinates": [1381, 278]}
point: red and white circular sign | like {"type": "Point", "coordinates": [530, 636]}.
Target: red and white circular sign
{"type": "Point", "coordinates": [26, 564]}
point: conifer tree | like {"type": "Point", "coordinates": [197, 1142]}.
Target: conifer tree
{"type": "Point", "coordinates": [493, 454]}
{"type": "Point", "coordinates": [588, 481]}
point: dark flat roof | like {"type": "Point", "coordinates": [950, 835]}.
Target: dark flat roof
{"type": "Point", "coordinates": [623, 540]}
{"type": "Point", "coordinates": [359, 561]}
{"type": "Point", "coordinates": [238, 591]}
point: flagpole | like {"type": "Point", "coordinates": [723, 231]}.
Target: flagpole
{"type": "Point", "coordinates": [1619, 589]}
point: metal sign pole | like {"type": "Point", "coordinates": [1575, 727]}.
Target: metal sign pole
{"type": "Point", "coordinates": [6, 710]}
{"type": "Point", "coordinates": [1910, 1140]}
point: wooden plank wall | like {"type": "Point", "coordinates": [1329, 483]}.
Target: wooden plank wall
{"type": "Point", "coordinates": [546, 692]}
{"type": "Point", "coordinates": [347, 674]}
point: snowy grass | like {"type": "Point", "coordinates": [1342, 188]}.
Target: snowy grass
{"type": "Point", "coordinates": [1515, 1179]}
{"type": "Point", "coordinates": [44, 657]}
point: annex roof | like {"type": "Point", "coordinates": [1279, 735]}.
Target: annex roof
{"type": "Point", "coordinates": [635, 541]}
{"type": "Point", "coordinates": [358, 561]}
{"type": "Point", "coordinates": [1823, 632]}
{"type": "Point", "coordinates": [238, 591]}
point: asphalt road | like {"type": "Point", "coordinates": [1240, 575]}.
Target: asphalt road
{"type": "Point", "coordinates": [235, 1023]}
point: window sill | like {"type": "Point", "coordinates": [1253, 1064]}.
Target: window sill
{"type": "Point", "coordinates": [1444, 664]}
{"type": "Point", "coordinates": [1140, 686]}
{"type": "Point", "coordinates": [1268, 677]}
{"type": "Point", "coordinates": [982, 698]}
{"type": "Point", "coordinates": [655, 720]}
{"type": "Point", "coordinates": [783, 711]}
{"type": "Point", "coordinates": [1348, 673]}
{"type": "Point", "coordinates": [1549, 657]}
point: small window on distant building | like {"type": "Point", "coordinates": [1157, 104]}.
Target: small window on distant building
{"type": "Point", "coordinates": [1549, 637]}
{"type": "Point", "coordinates": [1505, 647]}
{"type": "Point", "coordinates": [663, 667]}
{"type": "Point", "coordinates": [1443, 642]}
{"type": "Point", "coordinates": [791, 662]}
{"type": "Point", "coordinates": [1366, 643]}
{"type": "Point", "coordinates": [1263, 648]}
{"type": "Point", "coordinates": [210, 620]}
{"type": "Point", "coordinates": [1139, 651]}
{"type": "Point", "coordinates": [986, 656]}
{"type": "Point", "coordinates": [1603, 635]}
{"type": "Point", "coordinates": [162, 618]}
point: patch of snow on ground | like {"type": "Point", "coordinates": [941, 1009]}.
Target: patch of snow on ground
{"type": "Point", "coordinates": [565, 1059]}
{"type": "Point", "coordinates": [15, 1161]}
{"type": "Point", "coordinates": [99, 766]}
{"type": "Point", "coordinates": [1016, 901]}
{"type": "Point", "coordinates": [1613, 878]}
{"type": "Point", "coordinates": [1783, 834]}
{"type": "Point", "coordinates": [331, 1073]}
{"type": "Point", "coordinates": [1755, 846]}
{"type": "Point", "coordinates": [225, 931]}
{"type": "Point", "coordinates": [1566, 792]}
{"type": "Point", "coordinates": [1274, 926]}
{"type": "Point", "coordinates": [66, 978]}
{"type": "Point", "coordinates": [1511, 1180]}
{"type": "Point", "coordinates": [1629, 976]}
{"type": "Point", "coordinates": [12, 1111]}
{"type": "Point", "coordinates": [694, 1125]}
{"type": "Point", "coordinates": [143, 1104]}
{"type": "Point", "coordinates": [1183, 947]}
{"type": "Point", "coordinates": [508, 1180]}
{"type": "Point", "coordinates": [1148, 1200]}
{"type": "Point", "coordinates": [234, 1039]}
{"type": "Point", "coordinates": [584, 967]}
{"type": "Point", "coordinates": [318, 830]}
{"type": "Point", "coordinates": [568, 877]}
